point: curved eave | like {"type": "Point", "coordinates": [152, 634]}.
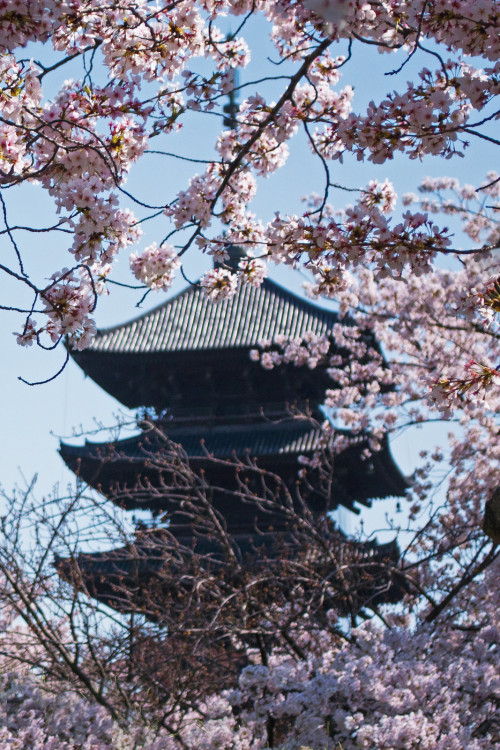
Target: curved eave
{"type": "Point", "coordinates": [115, 469]}
{"type": "Point", "coordinates": [130, 577]}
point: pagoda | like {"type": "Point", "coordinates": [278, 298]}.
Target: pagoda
{"type": "Point", "coordinates": [188, 363]}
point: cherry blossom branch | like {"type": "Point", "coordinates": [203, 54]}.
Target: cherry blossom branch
{"type": "Point", "coordinates": [466, 579]}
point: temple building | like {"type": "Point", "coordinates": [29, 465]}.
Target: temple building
{"type": "Point", "coordinates": [187, 365]}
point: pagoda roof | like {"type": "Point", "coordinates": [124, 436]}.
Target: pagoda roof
{"type": "Point", "coordinates": [154, 560]}
{"type": "Point", "coordinates": [107, 465]}
{"type": "Point", "coordinates": [153, 550]}
{"type": "Point", "coordinates": [189, 321]}
{"type": "Point", "coordinates": [289, 436]}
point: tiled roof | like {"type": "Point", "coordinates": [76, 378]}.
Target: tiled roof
{"type": "Point", "coordinates": [189, 321]}
{"type": "Point", "coordinates": [139, 576]}
{"type": "Point", "coordinates": [148, 556]}
{"type": "Point", "coordinates": [293, 436]}
{"type": "Point", "coordinates": [105, 464]}
{"type": "Point", "coordinates": [125, 561]}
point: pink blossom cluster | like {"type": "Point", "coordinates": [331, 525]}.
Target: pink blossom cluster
{"type": "Point", "coordinates": [309, 350]}
{"type": "Point", "coordinates": [269, 151]}
{"type": "Point", "coordinates": [423, 120]}
{"type": "Point", "coordinates": [32, 719]}
{"type": "Point", "coordinates": [219, 284]}
{"type": "Point", "coordinates": [197, 203]}
{"type": "Point", "coordinates": [332, 282]}
{"type": "Point", "coordinates": [68, 302]}
{"type": "Point", "coordinates": [429, 686]}
{"type": "Point", "coordinates": [446, 195]}
{"type": "Point", "coordinates": [332, 248]}
{"type": "Point", "coordinates": [156, 266]}
{"type": "Point", "coordinates": [471, 386]}
{"type": "Point", "coordinates": [252, 271]}
{"type": "Point", "coordinates": [38, 715]}
{"type": "Point", "coordinates": [433, 688]}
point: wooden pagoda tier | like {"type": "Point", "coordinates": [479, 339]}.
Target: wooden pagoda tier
{"type": "Point", "coordinates": [192, 357]}
{"type": "Point", "coordinates": [153, 573]}
{"type": "Point", "coordinates": [132, 472]}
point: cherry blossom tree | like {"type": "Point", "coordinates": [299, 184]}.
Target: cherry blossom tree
{"type": "Point", "coordinates": [423, 674]}
{"type": "Point", "coordinates": [302, 648]}
{"type": "Point", "coordinates": [191, 609]}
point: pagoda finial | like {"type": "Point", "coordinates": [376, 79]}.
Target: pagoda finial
{"type": "Point", "coordinates": [234, 254]}
{"type": "Point", "coordinates": [231, 109]}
